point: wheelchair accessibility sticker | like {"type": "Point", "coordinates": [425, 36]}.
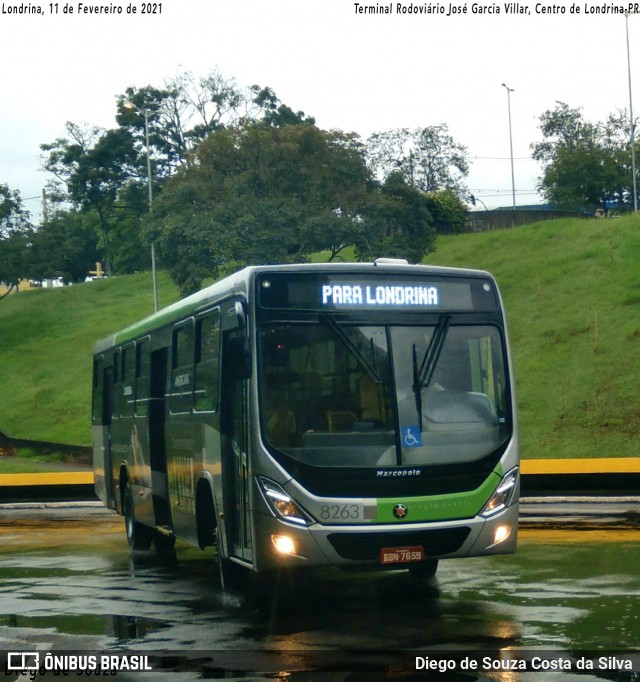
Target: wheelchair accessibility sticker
{"type": "Point", "coordinates": [411, 436]}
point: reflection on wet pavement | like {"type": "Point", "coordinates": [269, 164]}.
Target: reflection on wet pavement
{"type": "Point", "coordinates": [75, 586]}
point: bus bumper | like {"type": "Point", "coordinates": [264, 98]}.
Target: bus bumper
{"type": "Point", "coordinates": [347, 546]}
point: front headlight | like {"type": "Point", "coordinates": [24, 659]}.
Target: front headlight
{"type": "Point", "coordinates": [281, 504]}
{"type": "Point", "coordinates": [502, 495]}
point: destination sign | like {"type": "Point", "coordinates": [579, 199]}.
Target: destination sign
{"type": "Point", "coordinates": [338, 291]}
{"type": "Point", "coordinates": [381, 295]}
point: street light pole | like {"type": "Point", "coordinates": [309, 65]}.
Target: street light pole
{"type": "Point", "coordinates": [633, 125]}
{"type": "Point", "coordinates": [154, 279]}
{"type": "Point", "coordinates": [513, 181]}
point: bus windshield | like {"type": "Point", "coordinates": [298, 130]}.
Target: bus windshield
{"type": "Point", "coordinates": [345, 395]}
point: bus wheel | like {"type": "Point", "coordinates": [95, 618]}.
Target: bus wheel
{"type": "Point", "coordinates": [139, 536]}
{"type": "Point", "coordinates": [424, 570]}
{"type": "Point", "coordinates": [164, 544]}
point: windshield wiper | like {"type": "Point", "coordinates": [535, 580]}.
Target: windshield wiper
{"type": "Point", "coordinates": [422, 377]}
{"type": "Point", "coordinates": [417, 390]}
{"type": "Point", "coordinates": [432, 355]}
{"type": "Point", "coordinates": [353, 349]}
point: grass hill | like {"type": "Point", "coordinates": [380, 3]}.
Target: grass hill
{"type": "Point", "coordinates": [46, 348]}
{"type": "Point", "coordinates": [572, 293]}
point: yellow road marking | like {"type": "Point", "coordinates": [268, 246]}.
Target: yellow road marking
{"type": "Point", "coordinates": [49, 478]}
{"type": "Point", "coordinates": [602, 465]}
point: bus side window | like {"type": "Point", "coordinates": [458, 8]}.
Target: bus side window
{"type": "Point", "coordinates": [207, 371]}
{"type": "Point", "coordinates": [143, 374]}
{"type": "Point", "coordinates": [182, 369]}
{"type": "Point", "coordinates": [117, 390]}
{"type": "Point", "coordinates": [128, 374]}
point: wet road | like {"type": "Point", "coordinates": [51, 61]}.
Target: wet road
{"type": "Point", "coordinates": [68, 582]}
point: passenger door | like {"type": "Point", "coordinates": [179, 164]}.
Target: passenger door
{"type": "Point", "coordinates": [235, 454]}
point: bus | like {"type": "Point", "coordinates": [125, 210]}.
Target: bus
{"type": "Point", "coordinates": [347, 415]}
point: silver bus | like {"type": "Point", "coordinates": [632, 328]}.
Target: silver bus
{"type": "Point", "coordinates": [348, 415]}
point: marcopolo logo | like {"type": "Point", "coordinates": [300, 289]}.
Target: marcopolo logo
{"type": "Point", "coordinates": [400, 511]}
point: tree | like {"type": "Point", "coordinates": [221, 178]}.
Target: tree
{"type": "Point", "coordinates": [180, 115]}
{"type": "Point", "coordinates": [449, 213]}
{"type": "Point", "coordinates": [15, 236]}
{"type": "Point", "coordinates": [585, 164]}
{"type": "Point", "coordinates": [274, 112]}
{"type": "Point", "coordinates": [398, 223]}
{"type": "Point", "coordinates": [92, 167]}
{"type": "Point", "coordinates": [259, 194]}
{"type": "Point", "coordinates": [65, 246]}
{"type": "Point", "coordinates": [429, 159]}
{"type": "Point", "coordinates": [13, 216]}
{"type": "Point", "coordinates": [105, 173]}
{"type": "Point", "coordinates": [617, 137]}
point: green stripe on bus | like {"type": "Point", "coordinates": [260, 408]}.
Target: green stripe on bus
{"type": "Point", "coordinates": [439, 507]}
{"type": "Point", "coordinates": [166, 316]}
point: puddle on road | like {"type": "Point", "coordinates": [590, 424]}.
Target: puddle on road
{"type": "Point", "coordinates": [86, 591]}
{"type": "Point", "coordinates": [122, 628]}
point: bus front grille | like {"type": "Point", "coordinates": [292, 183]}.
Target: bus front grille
{"type": "Point", "coordinates": [367, 546]}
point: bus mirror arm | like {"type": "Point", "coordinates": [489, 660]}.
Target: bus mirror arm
{"type": "Point", "coordinates": [241, 315]}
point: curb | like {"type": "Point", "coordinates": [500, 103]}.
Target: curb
{"type": "Point", "coordinates": [621, 512]}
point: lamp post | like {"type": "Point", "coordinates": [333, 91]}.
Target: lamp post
{"type": "Point", "coordinates": [633, 125]}
{"type": "Point", "coordinates": [145, 113]}
{"type": "Point", "coordinates": [513, 181]}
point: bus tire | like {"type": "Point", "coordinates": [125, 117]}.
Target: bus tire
{"type": "Point", "coordinates": [424, 570]}
{"type": "Point", "coordinates": [139, 536]}
{"type": "Point", "coordinates": [164, 544]}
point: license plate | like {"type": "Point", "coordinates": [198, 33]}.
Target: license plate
{"type": "Point", "coordinates": [401, 555]}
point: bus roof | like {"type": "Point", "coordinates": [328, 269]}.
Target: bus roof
{"type": "Point", "coordinates": [239, 282]}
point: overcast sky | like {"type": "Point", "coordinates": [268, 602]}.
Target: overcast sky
{"type": "Point", "coordinates": [353, 71]}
